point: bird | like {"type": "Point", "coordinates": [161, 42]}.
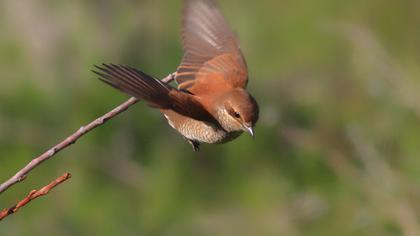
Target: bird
{"type": "Point", "coordinates": [210, 103]}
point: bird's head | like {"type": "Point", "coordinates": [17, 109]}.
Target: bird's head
{"type": "Point", "coordinates": [238, 111]}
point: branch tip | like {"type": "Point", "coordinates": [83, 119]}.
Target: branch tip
{"type": "Point", "coordinates": [34, 194]}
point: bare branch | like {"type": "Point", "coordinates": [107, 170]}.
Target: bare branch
{"type": "Point", "coordinates": [21, 174]}
{"type": "Point", "coordinates": [34, 194]}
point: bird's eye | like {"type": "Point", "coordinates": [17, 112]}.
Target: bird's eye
{"type": "Point", "coordinates": [233, 113]}
{"type": "Point", "coordinates": [236, 114]}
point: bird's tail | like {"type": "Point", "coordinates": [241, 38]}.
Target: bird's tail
{"type": "Point", "coordinates": [135, 83]}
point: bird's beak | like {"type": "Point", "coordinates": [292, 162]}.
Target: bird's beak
{"type": "Point", "coordinates": [250, 130]}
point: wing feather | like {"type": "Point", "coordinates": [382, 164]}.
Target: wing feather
{"type": "Point", "coordinates": [206, 36]}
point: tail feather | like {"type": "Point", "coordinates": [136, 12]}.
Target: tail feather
{"type": "Point", "coordinates": [153, 91]}
{"type": "Point", "coordinates": [135, 83]}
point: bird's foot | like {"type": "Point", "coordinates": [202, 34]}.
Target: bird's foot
{"type": "Point", "coordinates": [195, 144]}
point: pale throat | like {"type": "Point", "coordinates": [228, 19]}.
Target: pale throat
{"type": "Point", "coordinates": [227, 122]}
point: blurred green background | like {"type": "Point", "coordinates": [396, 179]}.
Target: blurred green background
{"type": "Point", "coordinates": [337, 147]}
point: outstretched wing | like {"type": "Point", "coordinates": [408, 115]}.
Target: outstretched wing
{"type": "Point", "coordinates": [212, 55]}
{"type": "Point", "coordinates": [153, 91]}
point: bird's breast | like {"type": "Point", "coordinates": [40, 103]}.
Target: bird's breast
{"type": "Point", "coordinates": [201, 131]}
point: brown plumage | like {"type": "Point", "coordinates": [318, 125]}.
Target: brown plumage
{"type": "Point", "coordinates": [211, 104]}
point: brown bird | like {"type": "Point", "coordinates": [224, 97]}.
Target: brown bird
{"type": "Point", "coordinates": [211, 104]}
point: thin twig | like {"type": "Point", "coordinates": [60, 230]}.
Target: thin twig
{"type": "Point", "coordinates": [21, 174]}
{"type": "Point", "coordinates": [34, 194]}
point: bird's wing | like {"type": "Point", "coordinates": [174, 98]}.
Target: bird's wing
{"type": "Point", "coordinates": [212, 55]}
{"type": "Point", "coordinates": [153, 91]}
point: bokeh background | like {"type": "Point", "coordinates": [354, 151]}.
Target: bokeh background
{"type": "Point", "coordinates": [337, 147]}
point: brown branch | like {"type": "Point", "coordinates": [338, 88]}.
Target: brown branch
{"type": "Point", "coordinates": [32, 195]}
{"type": "Point", "coordinates": [21, 174]}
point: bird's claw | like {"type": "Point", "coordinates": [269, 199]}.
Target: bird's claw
{"type": "Point", "coordinates": [195, 145]}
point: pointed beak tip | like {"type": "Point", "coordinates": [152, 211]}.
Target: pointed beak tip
{"type": "Point", "coordinates": [250, 131]}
